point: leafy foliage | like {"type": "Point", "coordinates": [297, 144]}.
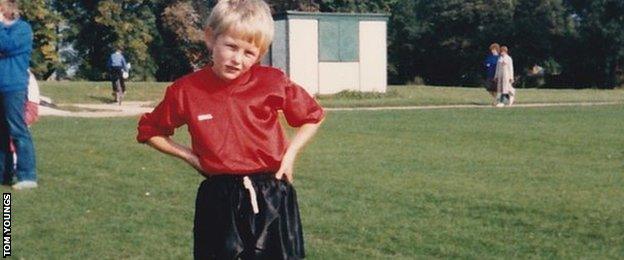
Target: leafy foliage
{"type": "Point", "coordinates": [184, 21]}
{"type": "Point", "coordinates": [45, 59]}
{"type": "Point", "coordinates": [442, 42]}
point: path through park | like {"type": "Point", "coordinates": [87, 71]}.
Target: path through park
{"type": "Point", "coordinates": [133, 108]}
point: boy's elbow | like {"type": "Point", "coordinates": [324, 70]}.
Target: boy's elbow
{"type": "Point", "coordinates": [153, 141]}
{"type": "Point", "coordinates": [318, 123]}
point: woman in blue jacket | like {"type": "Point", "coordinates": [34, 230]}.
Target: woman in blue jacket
{"type": "Point", "coordinates": [490, 69]}
{"type": "Point", "coordinates": [16, 40]}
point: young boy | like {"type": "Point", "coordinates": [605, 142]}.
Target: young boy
{"type": "Point", "coordinates": [246, 208]}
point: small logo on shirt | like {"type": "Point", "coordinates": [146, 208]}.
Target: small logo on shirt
{"type": "Point", "coordinates": [204, 117]}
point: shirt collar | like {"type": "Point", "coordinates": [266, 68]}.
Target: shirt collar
{"type": "Point", "coordinates": [241, 80]}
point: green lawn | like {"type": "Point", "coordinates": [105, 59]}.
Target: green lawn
{"type": "Point", "coordinates": [450, 183]}
{"type": "Point", "coordinates": [100, 92]}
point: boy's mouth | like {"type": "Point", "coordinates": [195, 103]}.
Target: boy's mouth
{"type": "Point", "coordinates": [231, 68]}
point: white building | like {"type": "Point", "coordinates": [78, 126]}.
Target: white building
{"type": "Point", "coordinates": [330, 52]}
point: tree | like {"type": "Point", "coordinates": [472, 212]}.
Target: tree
{"type": "Point", "coordinates": [541, 30]}
{"type": "Point", "coordinates": [96, 28]}
{"type": "Point", "coordinates": [45, 58]}
{"type": "Point", "coordinates": [131, 24]}
{"type": "Point", "coordinates": [279, 6]}
{"type": "Point", "coordinates": [444, 41]}
{"type": "Point", "coordinates": [599, 26]}
{"type": "Point", "coordinates": [182, 19]}
{"type": "Point", "coordinates": [358, 6]}
{"type": "Point", "coordinates": [403, 30]}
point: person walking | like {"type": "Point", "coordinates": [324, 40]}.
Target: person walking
{"type": "Point", "coordinates": [504, 77]}
{"type": "Point", "coordinates": [490, 70]}
{"type": "Point", "coordinates": [16, 40]}
{"type": "Point", "coordinates": [117, 65]}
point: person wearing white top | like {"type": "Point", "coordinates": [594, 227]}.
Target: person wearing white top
{"type": "Point", "coordinates": [504, 78]}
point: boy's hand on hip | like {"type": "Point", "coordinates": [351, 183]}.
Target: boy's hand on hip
{"type": "Point", "coordinates": [193, 160]}
{"type": "Point", "coordinates": [286, 168]}
{"type": "Point", "coordinates": [303, 135]}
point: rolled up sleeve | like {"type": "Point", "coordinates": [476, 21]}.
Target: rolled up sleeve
{"type": "Point", "coordinates": [164, 119]}
{"type": "Point", "coordinates": [300, 107]}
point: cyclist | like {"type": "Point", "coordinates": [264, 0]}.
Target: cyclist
{"type": "Point", "coordinates": [117, 66]}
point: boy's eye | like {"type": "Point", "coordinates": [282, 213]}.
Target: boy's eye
{"type": "Point", "coordinates": [250, 54]}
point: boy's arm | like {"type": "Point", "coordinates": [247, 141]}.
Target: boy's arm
{"type": "Point", "coordinates": [304, 134]}
{"type": "Point", "coordinates": [302, 111]}
{"type": "Point", "coordinates": [168, 146]}
{"type": "Point", "coordinates": [155, 128]}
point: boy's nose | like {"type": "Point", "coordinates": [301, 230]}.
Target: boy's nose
{"type": "Point", "coordinates": [238, 57]}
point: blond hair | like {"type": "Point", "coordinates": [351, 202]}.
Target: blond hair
{"type": "Point", "coordinates": [248, 19]}
{"type": "Point", "coordinates": [12, 6]}
{"type": "Point", "coordinates": [504, 49]}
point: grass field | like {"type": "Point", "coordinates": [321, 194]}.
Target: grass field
{"type": "Point", "coordinates": [100, 92]}
{"type": "Point", "coordinates": [449, 183]}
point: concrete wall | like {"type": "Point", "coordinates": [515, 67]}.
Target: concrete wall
{"type": "Point", "coordinates": [373, 56]}
{"type": "Point", "coordinates": [303, 55]}
{"type": "Point", "coordinates": [279, 47]}
{"type": "Point", "coordinates": [338, 76]}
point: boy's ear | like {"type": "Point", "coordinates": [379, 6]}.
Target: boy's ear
{"type": "Point", "coordinates": [209, 37]}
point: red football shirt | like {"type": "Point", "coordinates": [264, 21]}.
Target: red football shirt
{"type": "Point", "coordinates": [234, 126]}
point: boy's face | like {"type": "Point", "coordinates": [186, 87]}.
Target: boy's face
{"type": "Point", "coordinates": [232, 56]}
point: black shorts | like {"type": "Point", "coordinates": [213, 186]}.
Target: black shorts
{"type": "Point", "coordinates": [490, 85]}
{"type": "Point", "coordinates": [226, 226]}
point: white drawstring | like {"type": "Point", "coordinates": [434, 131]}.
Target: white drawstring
{"type": "Point", "coordinates": [252, 194]}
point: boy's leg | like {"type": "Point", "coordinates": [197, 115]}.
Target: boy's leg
{"type": "Point", "coordinates": [215, 228]}
{"type": "Point", "coordinates": [276, 230]}
{"type": "Point", "coordinates": [202, 242]}
{"type": "Point", "coordinates": [227, 228]}
{"type": "Point", "coordinates": [13, 104]}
